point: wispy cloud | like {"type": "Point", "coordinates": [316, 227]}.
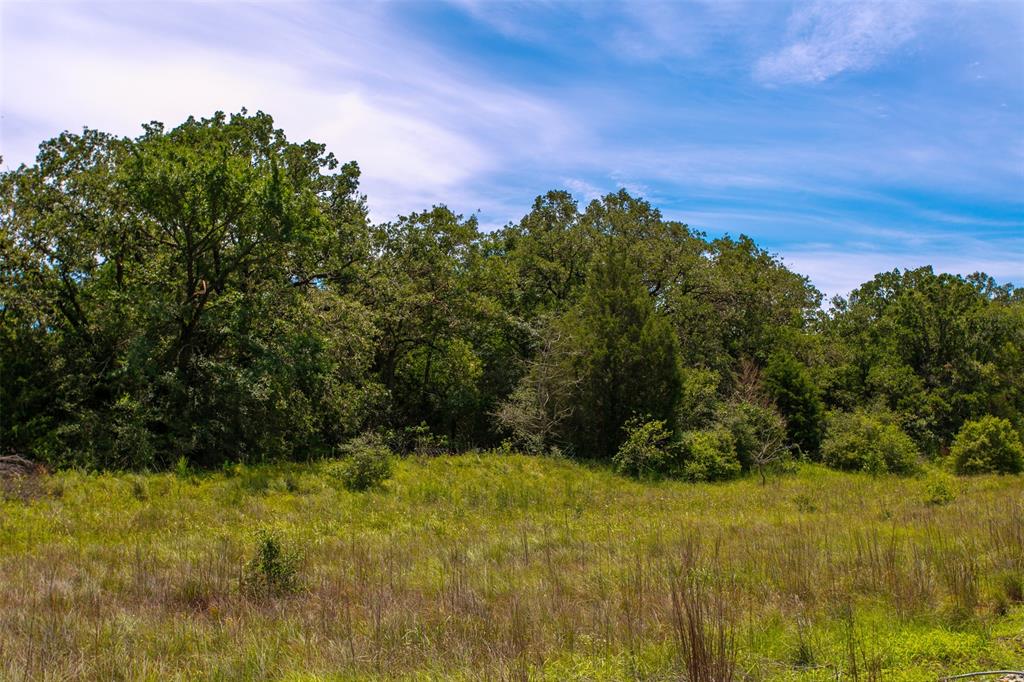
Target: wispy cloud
{"type": "Point", "coordinates": [837, 272]}
{"type": "Point", "coordinates": [829, 38]}
{"type": "Point", "coordinates": [838, 254]}
{"type": "Point", "coordinates": [421, 127]}
{"type": "Point", "coordinates": [484, 105]}
{"type": "Point", "coordinates": [583, 189]}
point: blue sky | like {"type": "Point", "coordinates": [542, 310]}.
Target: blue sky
{"type": "Point", "coordinates": [849, 138]}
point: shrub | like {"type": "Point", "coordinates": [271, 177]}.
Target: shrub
{"type": "Point", "coordinates": [710, 455]}
{"type": "Point", "coordinates": [805, 503]}
{"type": "Point", "coordinates": [939, 489]}
{"type": "Point", "coordinates": [365, 463]}
{"type": "Point", "coordinates": [524, 418]}
{"type": "Point", "coordinates": [987, 445]}
{"type": "Point", "coordinates": [758, 431]}
{"type": "Point", "coordinates": [872, 442]}
{"type": "Point", "coordinates": [1012, 585]}
{"type": "Point", "coordinates": [273, 569]}
{"type": "Point", "coordinates": [646, 450]}
{"type": "Point", "coordinates": [424, 442]}
{"type": "Point", "coordinates": [138, 487]}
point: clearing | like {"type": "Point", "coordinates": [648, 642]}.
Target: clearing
{"type": "Point", "coordinates": [507, 567]}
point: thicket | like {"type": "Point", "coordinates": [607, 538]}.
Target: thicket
{"type": "Point", "coordinates": [988, 446]}
{"type": "Point", "coordinates": [365, 462]}
{"type": "Point", "coordinates": [216, 292]}
{"type": "Point", "coordinates": [861, 441]}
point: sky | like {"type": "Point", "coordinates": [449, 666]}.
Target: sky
{"type": "Point", "coordinates": [849, 138]}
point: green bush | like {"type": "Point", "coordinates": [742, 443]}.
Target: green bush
{"type": "Point", "coordinates": [646, 450]}
{"type": "Point", "coordinates": [758, 431]}
{"type": "Point", "coordinates": [182, 468]}
{"type": "Point", "coordinates": [710, 455]}
{"type": "Point", "coordinates": [365, 463]}
{"type": "Point", "coordinates": [273, 569]}
{"type": "Point", "coordinates": [872, 442]}
{"type": "Point", "coordinates": [987, 445]}
{"type": "Point", "coordinates": [939, 489]}
{"type": "Point", "coordinates": [421, 441]}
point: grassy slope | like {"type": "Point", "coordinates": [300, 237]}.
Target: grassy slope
{"type": "Point", "coordinates": [505, 567]}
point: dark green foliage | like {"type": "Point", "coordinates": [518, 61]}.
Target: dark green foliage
{"type": "Point", "coordinates": [736, 302]}
{"type": "Point", "coordinates": [548, 251]}
{"type": "Point", "coordinates": [989, 445]}
{"type": "Point", "coordinates": [788, 383]}
{"type": "Point", "coordinates": [699, 398]}
{"type": "Point", "coordinates": [215, 292]}
{"type": "Point", "coordinates": [365, 463]}
{"type": "Point", "coordinates": [625, 361]}
{"type": "Point", "coordinates": [442, 339]}
{"type": "Point", "coordinates": [419, 440]}
{"type": "Point", "coordinates": [181, 295]}
{"type": "Point", "coordinates": [937, 349]}
{"type": "Point", "coordinates": [871, 442]}
{"type": "Point", "coordinates": [646, 451]}
{"type": "Point", "coordinates": [610, 358]}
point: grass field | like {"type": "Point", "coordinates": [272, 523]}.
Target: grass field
{"type": "Point", "coordinates": [508, 567]}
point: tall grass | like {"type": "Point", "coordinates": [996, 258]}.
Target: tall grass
{"type": "Point", "coordinates": [508, 567]}
{"type": "Point", "coordinates": [701, 620]}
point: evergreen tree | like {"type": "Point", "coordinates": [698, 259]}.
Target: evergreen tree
{"type": "Point", "coordinates": [627, 359]}
{"type": "Point", "coordinates": [789, 383]}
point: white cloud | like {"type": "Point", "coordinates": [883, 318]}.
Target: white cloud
{"type": "Point", "coordinates": [583, 189]}
{"type": "Point", "coordinates": [839, 254]}
{"type": "Point", "coordinates": [839, 271]}
{"type": "Point", "coordinates": [428, 127]}
{"type": "Point", "coordinates": [828, 38]}
{"type": "Point", "coordinates": [99, 90]}
{"type": "Point", "coordinates": [421, 128]}
{"type": "Point", "coordinates": [512, 19]}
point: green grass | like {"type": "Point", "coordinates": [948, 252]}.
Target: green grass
{"type": "Point", "coordinates": [508, 567]}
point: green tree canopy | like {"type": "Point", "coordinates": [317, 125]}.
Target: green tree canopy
{"type": "Point", "coordinates": [180, 293]}
{"type": "Point", "coordinates": [216, 291]}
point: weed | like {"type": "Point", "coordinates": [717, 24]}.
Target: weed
{"type": "Point", "coordinates": [704, 631]}
{"type": "Point", "coordinates": [805, 503]}
{"type": "Point", "coordinates": [182, 468]}
{"type": "Point", "coordinates": [939, 489]}
{"type": "Point", "coordinates": [140, 491]}
{"type": "Point", "coordinates": [292, 483]}
{"type": "Point", "coordinates": [1011, 585]}
{"type": "Point", "coordinates": [274, 568]}
{"type": "Point", "coordinates": [254, 479]}
{"type": "Point", "coordinates": [803, 655]}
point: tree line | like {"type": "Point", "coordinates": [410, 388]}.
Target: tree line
{"type": "Point", "coordinates": [217, 293]}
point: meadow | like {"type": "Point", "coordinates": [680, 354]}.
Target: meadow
{"type": "Point", "coordinates": [501, 566]}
